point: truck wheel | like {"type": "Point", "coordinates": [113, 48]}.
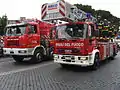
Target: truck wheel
{"type": "Point", "coordinates": [18, 58]}
{"type": "Point", "coordinates": [96, 64]}
{"type": "Point", "coordinates": [64, 65]}
{"type": "Point", "coordinates": [51, 56]}
{"type": "Point", "coordinates": [114, 54]}
{"type": "Point", "coordinates": [38, 56]}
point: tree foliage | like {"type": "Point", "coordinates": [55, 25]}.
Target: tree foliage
{"type": "Point", "coordinates": [3, 23]}
{"type": "Point", "coordinates": [104, 14]}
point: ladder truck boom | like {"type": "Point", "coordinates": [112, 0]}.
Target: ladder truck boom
{"type": "Point", "coordinates": [63, 11]}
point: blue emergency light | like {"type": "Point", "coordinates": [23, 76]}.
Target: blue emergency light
{"type": "Point", "coordinates": [88, 15]}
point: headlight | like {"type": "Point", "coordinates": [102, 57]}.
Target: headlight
{"type": "Point", "coordinates": [22, 51]}
{"type": "Point", "coordinates": [83, 58]}
{"type": "Point", "coordinates": [56, 56]}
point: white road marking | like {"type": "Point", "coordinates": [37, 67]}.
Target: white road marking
{"type": "Point", "coordinates": [25, 69]}
{"type": "Point", "coordinates": [5, 62]}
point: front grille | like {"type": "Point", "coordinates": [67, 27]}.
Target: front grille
{"type": "Point", "coordinates": [13, 43]}
{"type": "Point", "coordinates": [68, 57]}
{"type": "Point", "coordinates": [69, 51]}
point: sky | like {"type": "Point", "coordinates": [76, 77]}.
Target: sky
{"type": "Point", "coordinates": [32, 8]}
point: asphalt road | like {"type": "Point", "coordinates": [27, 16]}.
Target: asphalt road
{"type": "Point", "coordinates": [50, 76]}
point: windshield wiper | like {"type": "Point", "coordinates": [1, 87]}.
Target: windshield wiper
{"type": "Point", "coordinates": [62, 38]}
{"type": "Point", "coordinates": [76, 37]}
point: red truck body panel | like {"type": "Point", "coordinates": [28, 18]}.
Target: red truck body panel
{"type": "Point", "coordinates": [29, 40]}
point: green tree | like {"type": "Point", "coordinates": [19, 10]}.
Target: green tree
{"type": "Point", "coordinates": [3, 23]}
{"type": "Point", "coordinates": [104, 14]}
{"type": "Point", "coordinates": [86, 8]}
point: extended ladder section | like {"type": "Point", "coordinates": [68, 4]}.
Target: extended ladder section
{"type": "Point", "coordinates": [64, 11]}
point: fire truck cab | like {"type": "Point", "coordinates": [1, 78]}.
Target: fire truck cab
{"type": "Point", "coordinates": [27, 39]}
{"type": "Point", "coordinates": [79, 43]}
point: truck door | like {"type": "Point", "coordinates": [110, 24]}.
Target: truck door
{"type": "Point", "coordinates": [34, 36]}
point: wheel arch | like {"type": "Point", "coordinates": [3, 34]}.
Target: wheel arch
{"type": "Point", "coordinates": [41, 48]}
{"type": "Point", "coordinates": [94, 52]}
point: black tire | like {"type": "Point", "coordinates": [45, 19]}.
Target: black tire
{"type": "Point", "coordinates": [51, 53]}
{"type": "Point", "coordinates": [96, 64]}
{"type": "Point", "coordinates": [64, 65]}
{"type": "Point", "coordinates": [37, 57]}
{"type": "Point", "coordinates": [51, 57]}
{"type": "Point", "coordinates": [112, 58]}
{"type": "Point", "coordinates": [114, 54]}
{"type": "Point", "coordinates": [1, 53]}
{"type": "Point", "coordinates": [18, 58]}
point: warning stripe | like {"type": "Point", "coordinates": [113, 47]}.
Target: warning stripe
{"type": "Point", "coordinates": [62, 6]}
{"type": "Point", "coordinates": [44, 15]}
{"type": "Point", "coordinates": [63, 1]}
{"type": "Point", "coordinates": [45, 37]}
{"type": "Point", "coordinates": [43, 5]}
{"type": "Point", "coordinates": [62, 10]}
{"type": "Point", "coordinates": [44, 9]}
{"type": "Point", "coordinates": [63, 14]}
{"type": "Point", "coordinates": [43, 12]}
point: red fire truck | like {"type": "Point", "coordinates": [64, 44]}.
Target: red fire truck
{"type": "Point", "coordinates": [1, 46]}
{"type": "Point", "coordinates": [29, 38]}
{"type": "Point", "coordinates": [77, 42]}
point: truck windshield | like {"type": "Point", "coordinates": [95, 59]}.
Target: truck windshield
{"type": "Point", "coordinates": [15, 30]}
{"type": "Point", "coordinates": [71, 31]}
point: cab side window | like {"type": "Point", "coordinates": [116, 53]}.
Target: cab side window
{"type": "Point", "coordinates": [92, 30]}
{"type": "Point", "coordinates": [33, 29]}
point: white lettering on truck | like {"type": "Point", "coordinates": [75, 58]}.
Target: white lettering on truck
{"type": "Point", "coordinates": [70, 44]}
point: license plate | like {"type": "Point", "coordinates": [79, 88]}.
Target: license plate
{"type": "Point", "coordinates": [67, 57]}
{"type": "Point", "coordinates": [68, 51]}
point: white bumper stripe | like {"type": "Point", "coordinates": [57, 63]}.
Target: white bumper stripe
{"type": "Point", "coordinates": [18, 51]}
{"type": "Point", "coordinates": [75, 61]}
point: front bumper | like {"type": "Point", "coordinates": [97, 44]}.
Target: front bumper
{"type": "Point", "coordinates": [18, 51]}
{"type": "Point", "coordinates": [73, 60]}
{"type": "Point", "coordinates": [1, 51]}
